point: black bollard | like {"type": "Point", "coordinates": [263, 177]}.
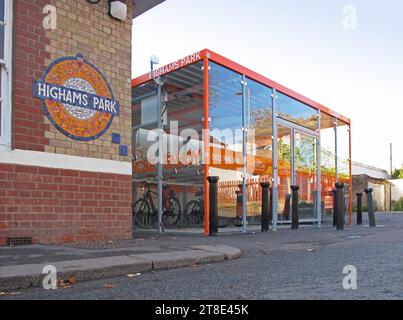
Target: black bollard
{"type": "Point", "coordinates": [295, 208]}
{"type": "Point", "coordinates": [239, 210]}
{"type": "Point", "coordinates": [340, 216]}
{"type": "Point", "coordinates": [371, 213]}
{"type": "Point", "coordinates": [287, 207]}
{"type": "Point", "coordinates": [334, 192]}
{"type": "Point", "coordinates": [213, 205]}
{"type": "Point", "coordinates": [359, 209]}
{"type": "Point", "coordinates": [265, 207]}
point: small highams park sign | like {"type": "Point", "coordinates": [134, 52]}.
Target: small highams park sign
{"type": "Point", "coordinates": [77, 98]}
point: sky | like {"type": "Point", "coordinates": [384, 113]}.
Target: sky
{"type": "Point", "coordinates": [304, 45]}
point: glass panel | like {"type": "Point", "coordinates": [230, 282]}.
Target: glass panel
{"type": "Point", "coordinates": [343, 165]}
{"type": "Point", "coordinates": [328, 162]}
{"type": "Point", "coordinates": [226, 142]}
{"type": "Point", "coordinates": [259, 146]}
{"type": "Point", "coordinates": [284, 174]}
{"type": "Point", "coordinates": [143, 95]}
{"type": "Point", "coordinates": [297, 112]}
{"type": "Point", "coordinates": [306, 168]}
{"type": "Point", "coordinates": [184, 171]}
{"type": "Point", "coordinates": [145, 200]}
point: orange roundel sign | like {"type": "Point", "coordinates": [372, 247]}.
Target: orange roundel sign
{"type": "Point", "coordinates": [77, 98]}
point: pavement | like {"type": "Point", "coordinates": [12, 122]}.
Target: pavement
{"type": "Point", "coordinates": [22, 267]}
{"type": "Point", "coordinates": [303, 264]}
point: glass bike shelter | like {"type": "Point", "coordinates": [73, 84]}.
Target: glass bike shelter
{"type": "Point", "coordinates": [221, 119]}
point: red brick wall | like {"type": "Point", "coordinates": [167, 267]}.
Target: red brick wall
{"type": "Point", "coordinates": [55, 206]}
{"type": "Point", "coordinates": [29, 56]}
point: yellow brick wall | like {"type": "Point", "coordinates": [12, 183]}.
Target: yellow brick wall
{"type": "Point", "coordinates": [88, 29]}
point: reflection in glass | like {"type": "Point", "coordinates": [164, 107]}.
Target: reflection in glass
{"type": "Point", "coordinates": [226, 144]}
{"type": "Point", "coordinates": [306, 174]}
{"type": "Point", "coordinates": [284, 173]}
{"type": "Point", "coordinates": [343, 163]}
{"type": "Point", "coordinates": [183, 173]}
{"type": "Point", "coordinates": [328, 163]}
{"type": "Point", "coordinates": [259, 145]}
{"type": "Point", "coordinates": [297, 112]}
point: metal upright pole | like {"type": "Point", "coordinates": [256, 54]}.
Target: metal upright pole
{"type": "Point", "coordinates": [319, 172]}
{"type": "Point", "coordinates": [244, 156]}
{"type": "Point", "coordinates": [336, 150]}
{"type": "Point", "coordinates": [274, 193]}
{"type": "Point", "coordinates": [391, 160]}
{"type": "Point", "coordinates": [160, 159]}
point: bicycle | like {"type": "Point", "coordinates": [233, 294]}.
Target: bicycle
{"type": "Point", "coordinates": [194, 210]}
{"type": "Point", "coordinates": [145, 212]}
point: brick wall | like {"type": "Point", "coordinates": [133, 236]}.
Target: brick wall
{"type": "Point", "coordinates": [54, 205]}
{"type": "Point", "coordinates": [82, 28]}
{"type": "Point", "coordinates": [29, 56]}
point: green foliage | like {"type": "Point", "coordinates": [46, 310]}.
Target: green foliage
{"type": "Point", "coordinates": [398, 174]}
{"type": "Point", "coordinates": [397, 205]}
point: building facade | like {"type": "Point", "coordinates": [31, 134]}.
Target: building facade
{"type": "Point", "coordinates": [65, 135]}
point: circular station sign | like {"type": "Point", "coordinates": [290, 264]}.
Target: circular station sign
{"type": "Point", "coordinates": [77, 98]}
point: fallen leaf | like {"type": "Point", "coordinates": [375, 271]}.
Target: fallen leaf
{"type": "Point", "coordinates": [2, 293]}
{"type": "Point", "coordinates": [311, 250]}
{"type": "Point", "coordinates": [72, 280]}
{"type": "Point", "coordinates": [131, 275]}
{"type": "Point", "coordinates": [110, 286]}
{"type": "Point", "coordinates": [15, 293]}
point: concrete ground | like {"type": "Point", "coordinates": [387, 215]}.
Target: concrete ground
{"type": "Point", "coordinates": [304, 264]}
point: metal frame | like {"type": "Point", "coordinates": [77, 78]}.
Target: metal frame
{"type": "Point", "coordinates": [244, 155]}
{"type": "Point", "coordinates": [206, 56]}
{"type": "Point", "coordinates": [295, 128]}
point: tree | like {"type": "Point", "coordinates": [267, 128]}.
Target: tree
{"type": "Point", "coordinates": [398, 174]}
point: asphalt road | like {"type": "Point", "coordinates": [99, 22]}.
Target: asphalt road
{"type": "Point", "coordinates": [304, 264]}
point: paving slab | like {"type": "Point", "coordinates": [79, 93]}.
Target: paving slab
{"type": "Point", "coordinates": [230, 253]}
{"type": "Point", "coordinates": [30, 275]}
{"type": "Point", "coordinates": [23, 276]}
{"type": "Point", "coordinates": [169, 260]}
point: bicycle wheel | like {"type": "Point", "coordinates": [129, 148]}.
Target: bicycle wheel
{"type": "Point", "coordinates": [193, 213]}
{"type": "Point", "coordinates": [141, 213]}
{"type": "Point", "coordinates": [173, 215]}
